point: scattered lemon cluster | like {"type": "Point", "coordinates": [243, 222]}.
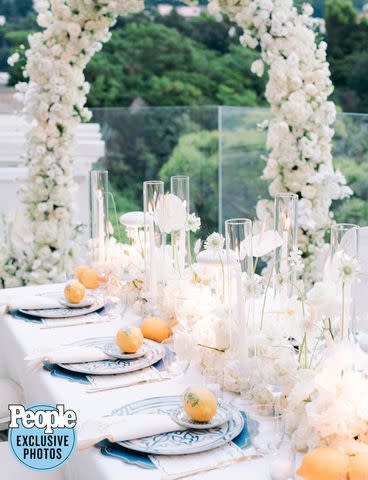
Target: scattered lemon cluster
{"type": "Point", "coordinates": [326, 463]}
{"type": "Point", "coordinates": [85, 277]}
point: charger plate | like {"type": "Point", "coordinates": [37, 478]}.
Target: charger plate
{"type": "Point", "coordinates": [180, 442]}
{"type": "Point", "coordinates": [64, 312]}
{"type": "Point", "coordinates": [113, 366]}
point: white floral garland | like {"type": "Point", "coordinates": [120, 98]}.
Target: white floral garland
{"type": "Point", "coordinates": [299, 136]}
{"type": "Point", "coordinates": [54, 99]}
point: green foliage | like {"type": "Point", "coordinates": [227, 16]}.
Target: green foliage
{"type": "Point", "coordinates": [347, 36]}
{"type": "Point", "coordinates": [167, 66]}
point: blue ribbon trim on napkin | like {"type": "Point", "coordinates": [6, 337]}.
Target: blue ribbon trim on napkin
{"type": "Point", "coordinates": [142, 460]}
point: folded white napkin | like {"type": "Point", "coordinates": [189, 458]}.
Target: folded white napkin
{"type": "Point", "coordinates": [65, 354]}
{"type": "Point", "coordinates": [123, 428]}
{"type": "Point", "coordinates": [29, 302]}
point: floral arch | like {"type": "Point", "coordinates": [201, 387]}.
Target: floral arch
{"type": "Point", "coordinates": [299, 135]}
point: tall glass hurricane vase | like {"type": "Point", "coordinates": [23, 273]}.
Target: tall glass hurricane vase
{"type": "Point", "coordinates": [154, 239]}
{"type": "Point", "coordinates": [342, 268]}
{"type": "Point", "coordinates": [99, 218]}
{"type": "Point", "coordinates": [287, 226]}
{"type": "Point", "coordinates": [180, 240]}
{"type": "Point", "coordinates": [240, 269]}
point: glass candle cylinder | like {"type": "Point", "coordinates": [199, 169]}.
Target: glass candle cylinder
{"type": "Point", "coordinates": [344, 238]}
{"type": "Point", "coordinates": [154, 239]}
{"type": "Point", "coordinates": [180, 241]}
{"type": "Point", "coordinates": [240, 269]}
{"type": "Point", "coordinates": [286, 225]}
{"type": "Point", "coordinates": [99, 214]}
{"type": "Point", "coordinates": [341, 269]}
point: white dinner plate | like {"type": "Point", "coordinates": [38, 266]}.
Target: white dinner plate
{"type": "Point", "coordinates": [114, 367]}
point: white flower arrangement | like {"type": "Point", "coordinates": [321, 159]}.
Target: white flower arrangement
{"type": "Point", "coordinates": [299, 135]}
{"type": "Point", "coordinates": [328, 406]}
{"type": "Point", "coordinates": [54, 99]}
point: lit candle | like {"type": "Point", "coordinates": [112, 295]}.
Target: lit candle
{"type": "Point", "coordinates": [101, 228]}
{"type": "Point", "coordinates": [285, 239]}
{"type": "Point", "coordinates": [152, 254]}
{"type": "Point", "coordinates": [243, 334]}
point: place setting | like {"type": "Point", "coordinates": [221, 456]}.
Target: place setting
{"type": "Point", "coordinates": [160, 432]}
{"type": "Point", "coordinates": [75, 304]}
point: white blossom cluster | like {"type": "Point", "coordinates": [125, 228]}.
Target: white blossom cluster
{"type": "Point", "coordinates": [300, 133]}
{"type": "Point", "coordinates": [54, 100]}
{"type": "Point", "coordinates": [328, 406]}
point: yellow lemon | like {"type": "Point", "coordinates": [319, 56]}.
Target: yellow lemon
{"type": "Point", "coordinates": [324, 464]}
{"type": "Point", "coordinates": [130, 339]}
{"type": "Point", "coordinates": [79, 270]}
{"type": "Point", "coordinates": [74, 291]}
{"type": "Point", "coordinates": [155, 329]}
{"type": "Point", "coordinates": [200, 404]}
{"type": "Point", "coordinates": [90, 278]}
{"type": "Point", "coordinates": [358, 467]}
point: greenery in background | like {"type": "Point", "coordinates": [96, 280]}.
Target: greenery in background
{"type": "Point", "coordinates": [175, 61]}
{"type": "Point", "coordinates": [347, 36]}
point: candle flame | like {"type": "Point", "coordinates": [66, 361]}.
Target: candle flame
{"type": "Point", "coordinates": [286, 221]}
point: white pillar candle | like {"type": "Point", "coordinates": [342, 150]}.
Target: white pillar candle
{"type": "Point", "coordinates": [152, 257]}
{"type": "Point", "coordinates": [241, 319]}
{"type": "Point", "coordinates": [101, 229]}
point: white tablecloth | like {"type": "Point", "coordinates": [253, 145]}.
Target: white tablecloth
{"type": "Point", "coordinates": [19, 338]}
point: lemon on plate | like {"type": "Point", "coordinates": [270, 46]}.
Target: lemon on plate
{"type": "Point", "coordinates": [200, 404]}
{"type": "Point", "coordinates": [129, 339]}
{"type": "Point", "coordinates": [74, 291]}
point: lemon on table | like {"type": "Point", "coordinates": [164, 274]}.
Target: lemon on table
{"type": "Point", "coordinates": [129, 339]}
{"type": "Point", "coordinates": [79, 270]}
{"type": "Point", "coordinates": [324, 463]}
{"type": "Point", "coordinates": [74, 291]}
{"type": "Point", "coordinates": [90, 278]}
{"type": "Point", "coordinates": [200, 404]}
{"type": "Point", "coordinates": [154, 328]}
{"type": "Point", "coordinates": [358, 467]}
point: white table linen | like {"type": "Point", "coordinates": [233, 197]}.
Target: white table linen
{"type": "Point", "coordinates": [19, 339]}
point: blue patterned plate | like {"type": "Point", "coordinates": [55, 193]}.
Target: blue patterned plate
{"type": "Point", "coordinates": [223, 414]}
{"type": "Point", "coordinates": [114, 351]}
{"type": "Point", "coordinates": [113, 367]}
{"type": "Point", "coordinates": [178, 443]}
{"type": "Point", "coordinates": [64, 312]}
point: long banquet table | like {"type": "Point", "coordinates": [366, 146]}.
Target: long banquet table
{"type": "Point", "coordinates": [19, 338]}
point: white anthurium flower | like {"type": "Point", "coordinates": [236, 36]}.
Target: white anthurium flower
{"type": "Point", "coordinates": [265, 243]}
{"type": "Point", "coordinates": [171, 215]}
{"type": "Point", "coordinates": [324, 298]}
